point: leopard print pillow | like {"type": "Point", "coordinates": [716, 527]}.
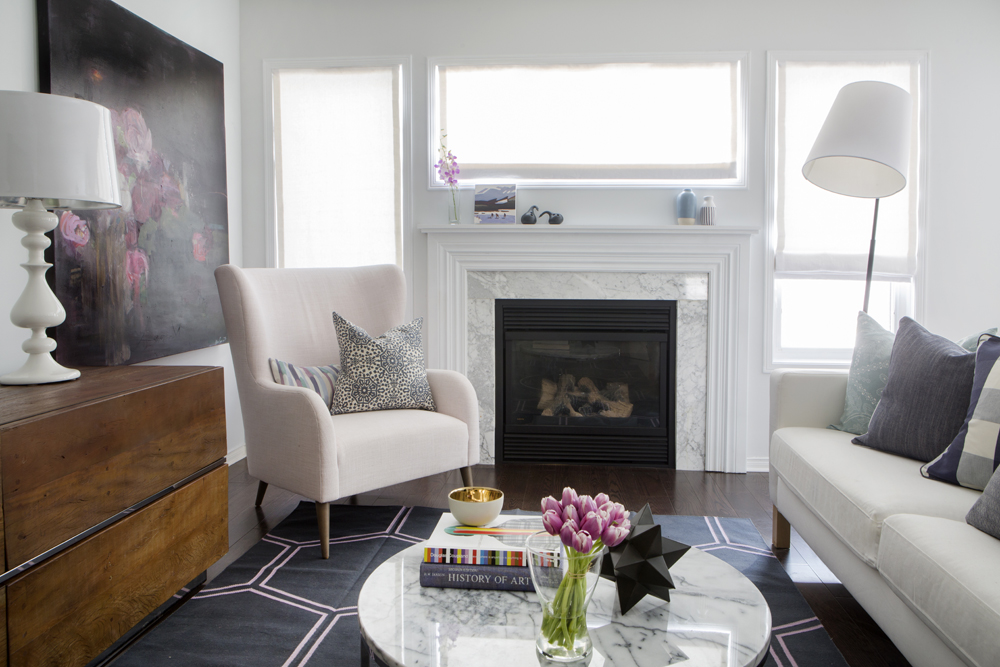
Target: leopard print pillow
{"type": "Point", "coordinates": [384, 373]}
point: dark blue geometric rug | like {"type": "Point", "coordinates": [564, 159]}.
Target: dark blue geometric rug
{"type": "Point", "coordinates": [280, 604]}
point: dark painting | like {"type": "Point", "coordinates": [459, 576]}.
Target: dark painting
{"type": "Point", "coordinates": [137, 282]}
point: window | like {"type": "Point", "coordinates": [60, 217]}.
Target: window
{"type": "Point", "coordinates": [655, 121]}
{"type": "Point", "coordinates": [820, 240]}
{"type": "Point", "coordinates": [337, 170]}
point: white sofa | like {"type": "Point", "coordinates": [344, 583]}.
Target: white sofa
{"type": "Point", "coordinates": [897, 541]}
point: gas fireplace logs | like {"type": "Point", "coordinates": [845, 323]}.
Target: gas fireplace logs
{"type": "Point", "coordinates": [583, 399]}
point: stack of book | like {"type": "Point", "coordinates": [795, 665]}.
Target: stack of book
{"type": "Point", "coordinates": [490, 557]}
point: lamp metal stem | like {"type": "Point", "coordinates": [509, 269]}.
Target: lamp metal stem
{"type": "Point", "coordinates": [871, 258]}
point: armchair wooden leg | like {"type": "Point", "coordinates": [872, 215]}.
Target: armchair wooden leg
{"type": "Point", "coordinates": [781, 531]}
{"type": "Point", "coordinates": [261, 490]}
{"type": "Point", "coordinates": [467, 475]}
{"type": "Point", "coordinates": [323, 519]}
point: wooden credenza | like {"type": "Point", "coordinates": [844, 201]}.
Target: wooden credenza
{"type": "Point", "coordinates": [114, 497]}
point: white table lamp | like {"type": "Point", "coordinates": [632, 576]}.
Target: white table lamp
{"type": "Point", "coordinates": [863, 149]}
{"type": "Point", "coordinates": [55, 153]}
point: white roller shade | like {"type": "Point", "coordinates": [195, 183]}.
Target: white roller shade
{"type": "Point", "coordinates": [337, 156]}
{"type": "Point", "coordinates": [652, 121]}
{"type": "Point", "coordinates": [822, 233]}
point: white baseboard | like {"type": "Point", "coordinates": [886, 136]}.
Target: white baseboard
{"type": "Point", "coordinates": [237, 454]}
{"type": "Point", "coordinates": [757, 464]}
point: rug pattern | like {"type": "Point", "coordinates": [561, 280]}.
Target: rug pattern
{"type": "Point", "coordinates": [281, 605]}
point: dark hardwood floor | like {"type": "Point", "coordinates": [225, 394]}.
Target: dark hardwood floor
{"type": "Point", "coordinates": [667, 491]}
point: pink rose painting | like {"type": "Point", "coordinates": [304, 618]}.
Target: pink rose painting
{"type": "Point", "coordinates": [138, 282]}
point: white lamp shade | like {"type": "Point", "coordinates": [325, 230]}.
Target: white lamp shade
{"type": "Point", "coordinates": [863, 149]}
{"type": "Point", "coordinates": [57, 149]}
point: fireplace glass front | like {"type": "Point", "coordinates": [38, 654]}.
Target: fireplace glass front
{"type": "Point", "coordinates": [585, 381]}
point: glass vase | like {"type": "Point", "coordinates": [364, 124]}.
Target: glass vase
{"type": "Point", "coordinates": [564, 581]}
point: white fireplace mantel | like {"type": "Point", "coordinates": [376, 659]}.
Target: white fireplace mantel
{"type": "Point", "coordinates": [722, 252]}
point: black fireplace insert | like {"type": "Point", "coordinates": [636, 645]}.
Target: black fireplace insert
{"type": "Point", "coordinates": [586, 381]}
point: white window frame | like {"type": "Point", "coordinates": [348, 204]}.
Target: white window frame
{"type": "Point", "coordinates": [270, 67]}
{"type": "Point", "coordinates": [909, 301]}
{"type": "Point", "coordinates": [742, 58]}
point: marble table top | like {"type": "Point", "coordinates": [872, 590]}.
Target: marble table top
{"type": "Point", "coordinates": [716, 617]}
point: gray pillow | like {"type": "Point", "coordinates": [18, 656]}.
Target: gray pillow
{"type": "Point", "coordinates": [384, 373]}
{"type": "Point", "coordinates": [926, 397]}
{"type": "Point", "coordinates": [868, 374]}
{"type": "Point", "coordinates": [985, 514]}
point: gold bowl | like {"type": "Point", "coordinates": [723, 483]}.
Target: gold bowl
{"type": "Point", "coordinates": [475, 505]}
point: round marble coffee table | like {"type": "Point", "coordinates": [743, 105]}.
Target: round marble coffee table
{"type": "Point", "coordinates": [715, 616]}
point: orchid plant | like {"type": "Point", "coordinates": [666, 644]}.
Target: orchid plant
{"type": "Point", "coordinates": [584, 525]}
{"type": "Point", "coordinates": [448, 170]}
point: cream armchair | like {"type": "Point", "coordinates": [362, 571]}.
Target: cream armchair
{"type": "Point", "coordinates": [292, 440]}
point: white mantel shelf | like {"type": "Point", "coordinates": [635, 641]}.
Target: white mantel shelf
{"type": "Point", "coordinates": [670, 230]}
{"type": "Point", "coordinates": [721, 252]}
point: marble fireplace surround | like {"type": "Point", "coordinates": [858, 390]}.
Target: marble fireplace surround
{"type": "Point", "coordinates": [705, 268]}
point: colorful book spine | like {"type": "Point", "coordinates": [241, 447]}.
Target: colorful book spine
{"type": "Point", "coordinates": [453, 556]}
{"type": "Point", "coordinates": [476, 577]}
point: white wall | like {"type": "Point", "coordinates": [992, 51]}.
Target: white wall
{"type": "Point", "coordinates": [212, 27]}
{"type": "Point", "coordinates": [963, 227]}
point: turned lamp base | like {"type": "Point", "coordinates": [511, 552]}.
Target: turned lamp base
{"type": "Point", "coordinates": [37, 308]}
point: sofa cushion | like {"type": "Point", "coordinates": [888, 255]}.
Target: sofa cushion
{"type": "Point", "coordinates": [926, 397]}
{"type": "Point", "coordinates": [854, 489]}
{"type": "Point", "coordinates": [985, 514]}
{"type": "Point", "coordinates": [973, 455]}
{"type": "Point", "coordinates": [868, 374]}
{"type": "Point", "coordinates": [946, 572]}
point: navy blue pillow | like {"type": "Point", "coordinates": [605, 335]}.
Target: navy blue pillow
{"type": "Point", "coordinates": [926, 396]}
{"type": "Point", "coordinates": [974, 454]}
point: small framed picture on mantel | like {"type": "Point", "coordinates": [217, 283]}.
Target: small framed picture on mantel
{"type": "Point", "coordinates": [495, 204]}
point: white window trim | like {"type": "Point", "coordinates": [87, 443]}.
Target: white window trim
{"type": "Point", "coordinates": [270, 196]}
{"type": "Point", "coordinates": [741, 57]}
{"type": "Point", "coordinates": [919, 277]}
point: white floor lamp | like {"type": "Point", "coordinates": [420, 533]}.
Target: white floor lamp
{"type": "Point", "coordinates": [55, 153]}
{"type": "Point", "coordinates": [863, 149]}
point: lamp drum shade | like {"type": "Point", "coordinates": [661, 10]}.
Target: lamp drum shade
{"type": "Point", "coordinates": [863, 149]}
{"type": "Point", "coordinates": [57, 149]}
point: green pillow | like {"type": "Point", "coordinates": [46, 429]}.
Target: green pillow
{"type": "Point", "coordinates": [971, 343]}
{"type": "Point", "coordinates": [868, 375]}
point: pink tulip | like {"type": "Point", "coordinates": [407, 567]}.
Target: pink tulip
{"type": "Point", "coordinates": [583, 542]}
{"type": "Point", "coordinates": [587, 505]}
{"type": "Point", "coordinates": [592, 523]}
{"type": "Point", "coordinates": [571, 513]}
{"type": "Point", "coordinates": [617, 512]}
{"type": "Point", "coordinates": [550, 503]}
{"type": "Point", "coordinates": [566, 533]}
{"type": "Point", "coordinates": [601, 499]}
{"type": "Point", "coordinates": [552, 521]}
{"type": "Point", "coordinates": [613, 535]}
{"type": "Point", "coordinates": [570, 497]}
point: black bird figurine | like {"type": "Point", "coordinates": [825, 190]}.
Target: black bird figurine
{"type": "Point", "coordinates": [529, 217]}
{"type": "Point", "coordinates": [554, 218]}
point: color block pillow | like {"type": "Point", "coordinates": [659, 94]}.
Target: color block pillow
{"type": "Point", "coordinates": [868, 375]}
{"type": "Point", "coordinates": [974, 454]}
{"type": "Point", "coordinates": [321, 379]}
{"type": "Point", "coordinates": [926, 397]}
{"type": "Point", "coordinates": [985, 513]}
{"type": "Point", "coordinates": [384, 373]}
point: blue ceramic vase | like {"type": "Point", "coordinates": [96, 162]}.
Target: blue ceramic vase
{"type": "Point", "coordinates": [687, 208]}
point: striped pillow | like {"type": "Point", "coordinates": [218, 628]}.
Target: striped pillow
{"type": "Point", "coordinates": [974, 454]}
{"type": "Point", "coordinates": [320, 379]}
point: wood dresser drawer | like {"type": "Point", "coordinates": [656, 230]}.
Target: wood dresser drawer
{"type": "Point", "coordinates": [67, 470]}
{"type": "Point", "coordinates": [76, 604]}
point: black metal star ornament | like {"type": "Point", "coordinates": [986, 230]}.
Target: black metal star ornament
{"type": "Point", "coordinates": [640, 564]}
